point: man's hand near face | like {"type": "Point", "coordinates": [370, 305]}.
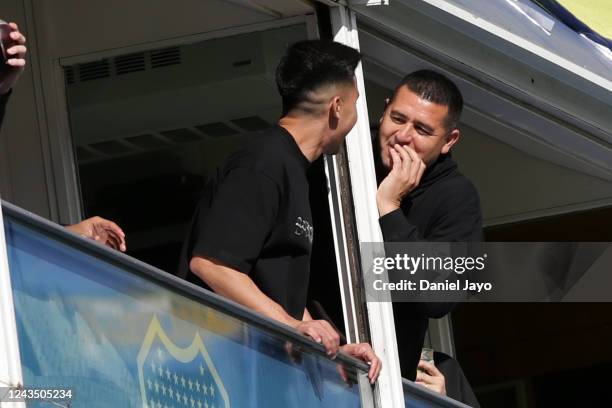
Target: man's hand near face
{"type": "Point", "coordinates": [405, 175]}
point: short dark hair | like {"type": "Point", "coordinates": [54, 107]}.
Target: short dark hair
{"type": "Point", "coordinates": [310, 65]}
{"type": "Point", "coordinates": [437, 88]}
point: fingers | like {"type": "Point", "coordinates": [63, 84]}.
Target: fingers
{"type": "Point", "coordinates": [17, 63]}
{"type": "Point", "coordinates": [17, 50]}
{"type": "Point", "coordinates": [331, 339]}
{"type": "Point", "coordinates": [364, 352]}
{"type": "Point", "coordinates": [430, 377]}
{"type": "Point", "coordinates": [375, 366]}
{"type": "Point", "coordinates": [395, 159]}
{"type": "Point", "coordinates": [406, 159]}
{"type": "Point", "coordinates": [413, 166]}
{"type": "Point", "coordinates": [423, 377]}
{"type": "Point", "coordinates": [115, 233]}
{"type": "Point", "coordinates": [104, 231]}
{"type": "Point", "coordinates": [418, 166]}
{"type": "Point", "coordinates": [429, 368]}
{"type": "Point", "coordinates": [109, 226]}
{"type": "Point", "coordinates": [321, 332]}
{"type": "Point", "coordinates": [16, 35]}
{"type": "Point", "coordinates": [110, 240]}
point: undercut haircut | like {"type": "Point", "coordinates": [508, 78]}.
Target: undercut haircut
{"type": "Point", "coordinates": [308, 66]}
{"type": "Point", "coordinates": [437, 88]}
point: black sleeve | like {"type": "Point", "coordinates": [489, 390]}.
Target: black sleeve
{"type": "Point", "coordinates": [395, 227]}
{"type": "Point", "coordinates": [3, 101]}
{"type": "Point", "coordinates": [234, 229]}
{"type": "Point", "coordinates": [458, 218]}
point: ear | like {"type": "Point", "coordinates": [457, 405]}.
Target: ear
{"type": "Point", "coordinates": [333, 112]}
{"type": "Point", "coordinates": [451, 139]}
{"type": "Point", "coordinates": [335, 107]}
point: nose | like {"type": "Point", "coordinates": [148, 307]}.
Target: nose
{"type": "Point", "coordinates": [405, 134]}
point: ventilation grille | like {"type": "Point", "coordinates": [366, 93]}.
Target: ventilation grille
{"type": "Point", "coordinates": [126, 64]}
{"type": "Point", "coordinates": [94, 70]}
{"type": "Point", "coordinates": [122, 64]}
{"type": "Point", "coordinates": [165, 139]}
{"type": "Point", "coordinates": [69, 75]}
{"type": "Point", "coordinates": [165, 57]}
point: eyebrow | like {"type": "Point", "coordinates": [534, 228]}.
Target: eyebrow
{"type": "Point", "coordinates": [425, 126]}
{"type": "Point", "coordinates": [398, 113]}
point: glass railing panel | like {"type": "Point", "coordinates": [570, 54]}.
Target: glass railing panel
{"type": "Point", "coordinates": [416, 396]}
{"type": "Point", "coordinates": [121, 334]}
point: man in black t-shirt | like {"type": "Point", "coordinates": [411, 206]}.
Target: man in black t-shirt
{"type": "Point", "coordinates": [422, 196]}
{"type": "Point", "coordinates": [251, 236]}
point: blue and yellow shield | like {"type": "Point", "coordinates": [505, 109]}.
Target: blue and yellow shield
{"type": "Point", "coordinates": [171, 376]}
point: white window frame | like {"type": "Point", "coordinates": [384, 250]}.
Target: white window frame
{"type": "Point", "coordinates": [10, 359]}
{"type": "Point", "coordinates": [389, 389]}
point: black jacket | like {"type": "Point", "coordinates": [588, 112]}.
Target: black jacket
{"type": "Point", "coordinates": [445, 207]}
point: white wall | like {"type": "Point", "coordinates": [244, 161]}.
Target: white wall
{"type": "Point", "coordinates": [514, 185]}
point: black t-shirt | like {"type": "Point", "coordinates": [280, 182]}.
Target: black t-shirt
{"type": "Point", "coordinates": [254, 216]}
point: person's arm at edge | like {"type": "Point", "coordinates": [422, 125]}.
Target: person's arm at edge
{"type": "Point", "coordinates": [16, 65]}
{"type": "Point", "coordinates": [239, 287]}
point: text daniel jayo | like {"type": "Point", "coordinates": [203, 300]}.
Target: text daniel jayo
{"type": "Point", "coordinates": [424, 284]}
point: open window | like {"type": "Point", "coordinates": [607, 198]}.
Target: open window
{"type": "Point", "coordinates": [148, 127]}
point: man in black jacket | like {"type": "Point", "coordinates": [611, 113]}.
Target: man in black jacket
{"type": "Point", "coordinates": [423, 196]}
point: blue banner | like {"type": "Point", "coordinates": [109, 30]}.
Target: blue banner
{"type": "Point", "coordinates": [121, 339]}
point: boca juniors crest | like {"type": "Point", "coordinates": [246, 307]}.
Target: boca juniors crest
{"type": "Point", "coordinates": [174, 377]}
